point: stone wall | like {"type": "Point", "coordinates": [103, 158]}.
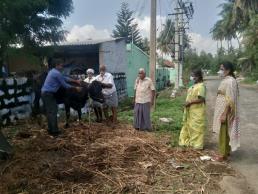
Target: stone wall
{"type": "Point", "coordinates": [15, 99]}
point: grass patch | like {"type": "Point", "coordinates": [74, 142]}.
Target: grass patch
{"type": "Point", "coordinates": [249, 80]}
{"type": "Point", "coordinates": [165, 107]}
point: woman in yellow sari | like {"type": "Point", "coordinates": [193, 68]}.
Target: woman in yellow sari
{"type": "Point", "coordinates": [226, 120]}
{"type": "Point", "coordinates": [194, 119]}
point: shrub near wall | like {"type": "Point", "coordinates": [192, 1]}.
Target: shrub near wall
{"type": "Point", "coordinates": [15, 99]}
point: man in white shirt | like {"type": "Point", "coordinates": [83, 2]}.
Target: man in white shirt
{"type": "Point", "coordinates": [144, 99]}
{"type": "Point", "coordinates": [109, 92]}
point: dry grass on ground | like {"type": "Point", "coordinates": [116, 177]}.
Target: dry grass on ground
{"type": "Point", "coordinates": [102, 159]}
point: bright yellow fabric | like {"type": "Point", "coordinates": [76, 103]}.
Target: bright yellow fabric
{"type": "Point", "coordinates": [194, 120]}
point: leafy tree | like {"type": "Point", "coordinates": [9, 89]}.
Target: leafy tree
{"type": "Point", "coordinates": [127, 27]}
{"type": "Point", "coordinates": [251, 42]}
{"type": "Point", "coordinates": [31, 23]}
{"type": "Point", "coordinates": [239, 18]}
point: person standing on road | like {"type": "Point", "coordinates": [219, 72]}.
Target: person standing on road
{"type": "Point", "coordinates": [194, 119]}
{"type": "Point", "coordinates": [226, 120]}
{"type": "Point", "coordinates": [52, 84]}
{"type": "Point", "coordinates": [143, 100]}
{"type": "Point", "coordinates": [109, 92]}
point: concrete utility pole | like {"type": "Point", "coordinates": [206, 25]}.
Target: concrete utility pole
{"type": "Point", "coordinates": [177, 49]}
{"type": "Point", "coordinates": [153, 42]}
{"type": "Point", "coordinates": [181, 46]}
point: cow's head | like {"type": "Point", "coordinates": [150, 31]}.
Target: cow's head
{"type": "Point", "coordinates": [95, 91]}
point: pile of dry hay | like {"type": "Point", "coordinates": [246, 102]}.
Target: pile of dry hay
{"type": "Point", "coordinates": [101, 159]}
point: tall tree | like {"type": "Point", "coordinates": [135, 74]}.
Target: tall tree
{"type": "Point", "coordinates": [250, 40]}
{"type": "Point", "coordinates": [166, 38]}
{"type": "Point", "coordinates": [127, 27]}
{"type": "Point", "coordinates": [31, 23]}
{"type": "Point", "coordinates": [239, 19]}
{"type": "Point", "coordinates": [225, 29]}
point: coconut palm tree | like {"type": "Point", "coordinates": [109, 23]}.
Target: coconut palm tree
{"type": "Point", "coordinates": [218, 32]}
{"type": "Point", "coordinates": [166, 39]}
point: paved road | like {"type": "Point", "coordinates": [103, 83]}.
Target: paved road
{"type": "Point", "coordinates": [245, 160]}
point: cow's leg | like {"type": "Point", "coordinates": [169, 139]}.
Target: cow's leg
{"type": "Point", "coordinates": [36, 108]}
{"type": "Point", "coordinates": [105, 110]}
{"type": "Point", "coordinates": [67, 112]}
{"type": "Point", "coordinates": [96, 111]}
{"type": "Point", "coordinates": [100, 114]}
{"type": "Point", "coordinates": [99, 110]}
{"type": "Point", "coordinates": [80, 115]}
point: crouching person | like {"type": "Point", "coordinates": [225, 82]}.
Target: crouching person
{"type": "Point", "coordinates": [143, 99]}
{"type": "Point", "coordinates": [97, 106]}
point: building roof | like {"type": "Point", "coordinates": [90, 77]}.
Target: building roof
{"type": "Point", "coordinates": [89, 42]}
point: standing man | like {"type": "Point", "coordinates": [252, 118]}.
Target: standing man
{"type": "Point", "coordinates": [53, 82]}
{"type": "Point", "coordinates": [109, 92]}
{"type": "Point", "coordinates": [143, 99]}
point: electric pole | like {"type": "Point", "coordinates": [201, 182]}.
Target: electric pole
{"type": "Point", "coordinates": [182, 9]}
{"type": "Point", "coordinates": [153, 42]}
{"type": "Point", "coordinates": [181, 46]}
{"type": "Point", "coordinates": [177, 49]}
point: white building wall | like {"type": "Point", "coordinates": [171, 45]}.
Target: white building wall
{"type": "Point", "coordinates": [113, 55]}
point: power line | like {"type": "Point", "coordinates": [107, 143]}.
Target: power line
{"type": "Point", "coordinates": [142, 8]}
{"type": "Point", "coordinates": [136, 7]}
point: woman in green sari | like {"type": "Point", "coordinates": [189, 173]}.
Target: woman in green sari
{"type": "Point", "coordinates": [194, 120]}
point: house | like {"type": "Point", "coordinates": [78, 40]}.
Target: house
{"type": "Point", "coordinates": [80, 56]}
{"type": "Point", "coordinates": [170, 66]}
{"type": "Point", "coordinates": [91, 53]}
{"type": "Point", "coordinates": [136, 59]}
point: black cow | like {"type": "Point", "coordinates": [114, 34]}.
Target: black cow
{"type": "Point", "coordinates": [70, 97]}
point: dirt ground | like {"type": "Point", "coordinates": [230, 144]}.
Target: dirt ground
{"type": "Point", "coordinates": [245, 160]}
{"type": "Point", "coordinates": [102, 159]}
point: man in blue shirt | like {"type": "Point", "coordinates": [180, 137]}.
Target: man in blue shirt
{"type": "Point", "coordinates": [53, 82]}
